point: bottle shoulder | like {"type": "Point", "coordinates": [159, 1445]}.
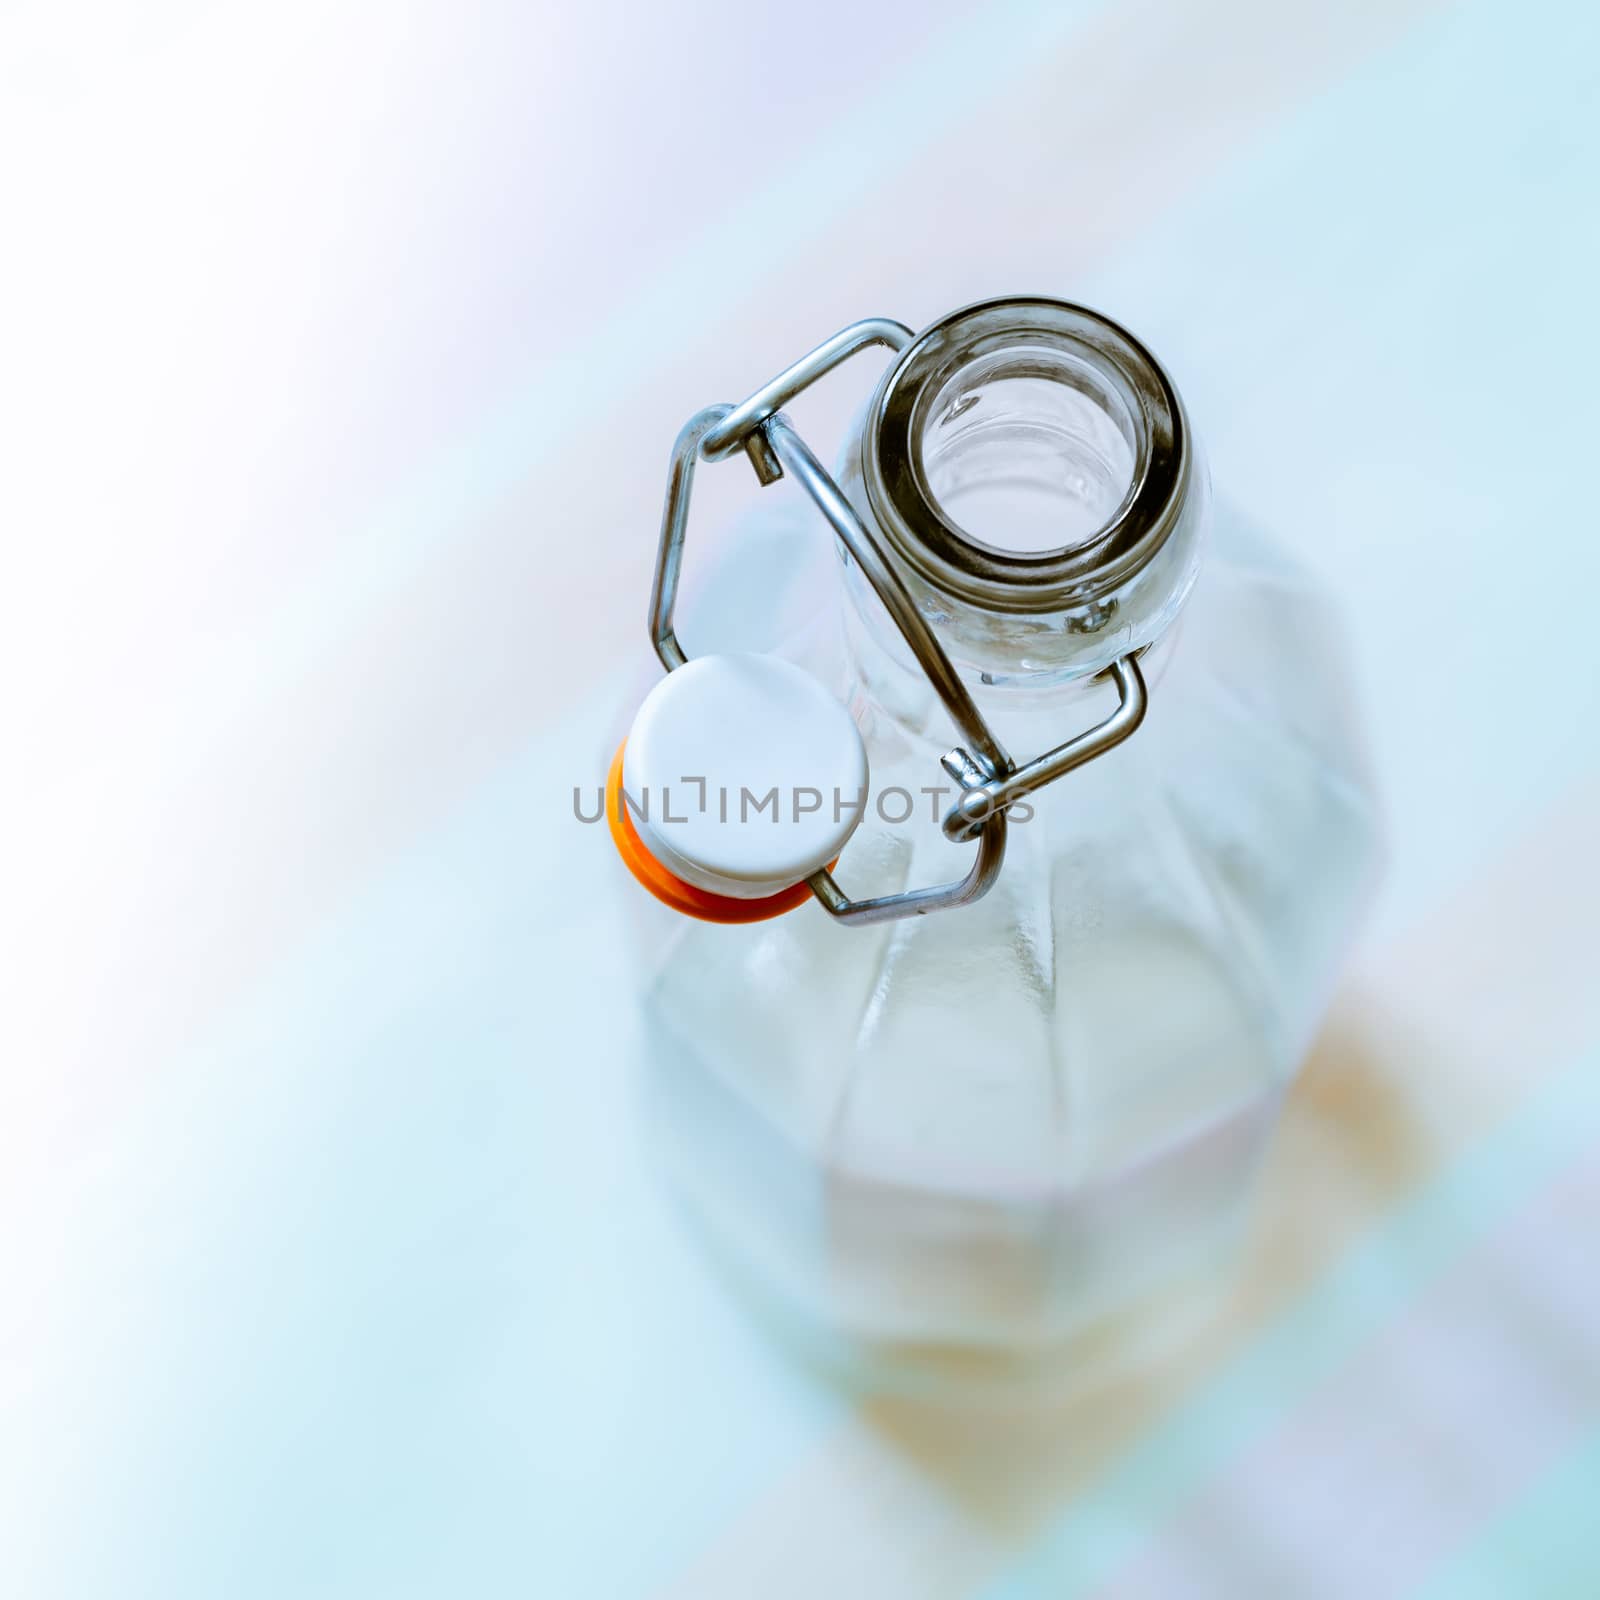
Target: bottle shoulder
{"type": "Point", "coordinates": [1229, 813]}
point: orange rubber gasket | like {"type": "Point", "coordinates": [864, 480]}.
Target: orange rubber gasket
{"type": "Point", "coordinates": [670, 889]}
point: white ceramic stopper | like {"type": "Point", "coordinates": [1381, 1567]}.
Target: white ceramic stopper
{"type": "Point", "coordinates": [743, 774]}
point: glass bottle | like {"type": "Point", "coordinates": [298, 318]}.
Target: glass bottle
{"type": "Point", "coordinates": [988, 1128]}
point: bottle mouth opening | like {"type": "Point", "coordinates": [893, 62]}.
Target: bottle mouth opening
{"type": "Point", "coordinates": [1027, 451]}
{"type": "Point", "coordinates": [1027, 455]}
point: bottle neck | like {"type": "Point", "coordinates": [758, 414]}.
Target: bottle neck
{"type": "Point", "coordinates": [1029, 710]}
{"type": "Point", "coordinates": [1030, 469]}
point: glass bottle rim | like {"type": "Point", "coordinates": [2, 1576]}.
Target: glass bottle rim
{"type": "Point", "coordinates": [949, 558]}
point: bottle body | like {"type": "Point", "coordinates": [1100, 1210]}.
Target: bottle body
{"type": "Point", "coordinates": [992, 1127]}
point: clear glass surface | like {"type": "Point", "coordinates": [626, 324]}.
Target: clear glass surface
{"type": "Point", "coordinates": [987, 1129]}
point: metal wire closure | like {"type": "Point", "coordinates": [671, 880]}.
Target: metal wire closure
{"type": "Point", "coordinates": [990, 781]}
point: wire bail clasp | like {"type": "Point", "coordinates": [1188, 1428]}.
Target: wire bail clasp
{"type": "Point", "coordinates": [990, 781]}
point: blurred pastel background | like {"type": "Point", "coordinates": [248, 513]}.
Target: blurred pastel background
{"type": "Point", "coordinates": [341, 347]}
